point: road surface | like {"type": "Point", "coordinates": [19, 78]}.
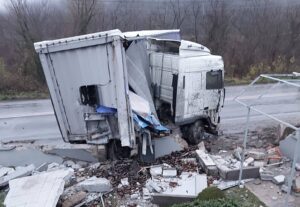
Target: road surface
{"type": "Point", "coordinates": [35, 120]}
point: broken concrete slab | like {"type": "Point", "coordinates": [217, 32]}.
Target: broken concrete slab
{"type": "Point", "coordinates": [169, 172]}
{"type": "Point", "coordinates": [74, 199]}
{"type": "Point", "coordinates": [43, 189]}
{"type": "Point", "coordinates": [256, 154]}
{"type": "Point", "coordinates": [5, 170]}
{"type": "Point", "coordinates": [207, 163]}
{"type": "Point", "coordinates": [223, 185]}
{"type": "Point", "coordinates": [188, 186]}
{"type": "Point", "coordinates": [248, 161]}
{"type": "Point", "coordinates": [95, 184]}
{"type": "Point", "coordinates": [20, 172]}
{"type": "Point", "coordinates": [279, 179]}
{"type": "Point", "coordinates": [153, 186]}
{"type": "Point", "coordinates": [266, 175]}
{"type": "Point", "coordinates": [258, 163]}
{"type": "Point", "coordinates": [156, 170]}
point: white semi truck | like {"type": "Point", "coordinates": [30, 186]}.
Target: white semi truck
{"type": "Point", "coordinates": [111, 88]}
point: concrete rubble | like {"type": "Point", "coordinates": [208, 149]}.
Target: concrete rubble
{"type": "Point", "coordinates": [42, 189]}
{"type": "Point", "coordinates": [94, 184]}
{"type": "Point", "coordinates": [174, 178]}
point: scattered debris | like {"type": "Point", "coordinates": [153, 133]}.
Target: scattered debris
{"type": "Point", "coordinates": [95, 184]}
{"type": "Point", "coordinates": [279, 179]}
{"type": "Point", "coordinates": [74, 199]}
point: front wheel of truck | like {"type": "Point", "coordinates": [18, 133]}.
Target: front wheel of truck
{"type": "Point", "coordinates": [194, 133]}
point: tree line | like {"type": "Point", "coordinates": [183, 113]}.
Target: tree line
{"type": "Point", "coordinates": [253, 36]}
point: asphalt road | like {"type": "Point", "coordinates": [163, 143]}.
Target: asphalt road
{"type": "Point", "coordinates": [35, 120]}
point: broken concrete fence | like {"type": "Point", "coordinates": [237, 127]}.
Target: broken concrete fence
{"type": "Point", "coordinates": [207, 163]}
{"type": "Point", "coordinates": [43, 189]}
{"type": "Point", "coordinates": [20, 172]}
{"type": "Point", "coordinates": [95, 184]}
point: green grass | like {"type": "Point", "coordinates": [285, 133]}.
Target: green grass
{"type": "Point", "coordinates": [243, 197]}
{"type": "Point", "coordinates": [2, 197]}
{"type": "Point", "coordinates": [12, 95]}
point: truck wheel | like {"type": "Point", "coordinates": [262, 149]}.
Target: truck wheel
{"type": "Point", "coordinates": [195, 133]}
{"type": "Point", "coordinates": [115, 151]}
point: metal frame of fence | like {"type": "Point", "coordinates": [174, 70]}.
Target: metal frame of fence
{"type": "Point", "coordinates": [279, 80]}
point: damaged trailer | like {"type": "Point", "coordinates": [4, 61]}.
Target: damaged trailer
{"type": "Point", "coordinates": [106, 88]}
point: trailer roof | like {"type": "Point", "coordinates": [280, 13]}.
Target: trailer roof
{"type": "Point", "coordinates": [72, 42]}
{"type": "Point", "coordinates": [148, 33]}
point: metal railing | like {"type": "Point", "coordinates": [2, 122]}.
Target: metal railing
{"type": "Point", "coordinates": [251, 107]}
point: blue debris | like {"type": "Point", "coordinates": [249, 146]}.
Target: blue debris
{"type": "Point", "coordinates": [106, 110]}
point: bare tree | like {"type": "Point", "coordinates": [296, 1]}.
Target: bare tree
{"type": "Point", "coordinates": [83, 12]}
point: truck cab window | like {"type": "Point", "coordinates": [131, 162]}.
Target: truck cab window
{"type": "Point", "coordinates": [214, 79]}
{"type": "Point", "coordinates": [88, 95]}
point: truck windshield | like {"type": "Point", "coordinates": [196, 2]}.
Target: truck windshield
{"type": "Point", "coordinates": [214, 79]}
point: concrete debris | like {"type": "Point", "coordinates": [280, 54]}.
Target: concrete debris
{"type": "Point", "coordinates": [297, 166]}
{"type": "Point", "coordinates": [207, 163]}
{"type": "Point", "coordinates": [248, 161]}
{"type": "Point", "coordinates": [95, 184]}
{"type": "Point", "coordinates": [256, 154]}
{"type": "Point", "coordinates": [279, 179]}
{"type": "Point", "coordinates": [74, 199]}
{"type": "Point", "coordinates": [274, 155]}
{"type": "Point", "coordinates": [186, 187]}
{"type": "Point", "coordinates": [238, 153]}
{"type": "Point", "coordinates": [169, 172]}
{"type": "Point", "coordinates": [18, 173]}
{"type": "Point", "coordinates": [124, 182]}
{"type": "Point", "coordinates": [284, 188]}
{"type": "Point", "coordinates": [201, 146]}
{"type": "Point", "coordinates": [266, 175]}
{"type": "Point", "coordinates": [5, 170]}
{"type": "Point", "coordinates": [156, 171]}
{"type": "Point", "coordinates": [223, 185]}
{"type": "Point", "coordinates": [296, 185]}
{"type": "Point", "coordinates": [258, 163]}
{"type": "Point", "coordinates": [42, 189]}
{"type": "Point", "coordinates": [53, 165]}
{"type": "Point", "coordinates": [153, 186]}
{"type": "Point", "coordinates": [42, 167]}
{"type": "Point", "coordinates": [229, 168]}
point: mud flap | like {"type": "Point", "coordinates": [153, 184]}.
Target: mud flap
{"type": "Point", "coordinates": [146, 148]}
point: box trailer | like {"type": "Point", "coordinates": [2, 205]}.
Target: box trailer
{"type": "Point", "coordinates": [106, 88]}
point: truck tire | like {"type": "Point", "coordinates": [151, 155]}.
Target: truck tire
{"type": "Point", "coordinates": [115, 151]}
{"type": "Point", "coordinates": [195, 133]}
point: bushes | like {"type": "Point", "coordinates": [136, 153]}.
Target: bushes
{"type": "Point", "coordinates": [14, 81]}
{"type": "Point", "coordinates": [224, 202]}
{"type": "Point", "coordinates": [210, 194]}
{"type": "Point", "coordinates": [210, 197]}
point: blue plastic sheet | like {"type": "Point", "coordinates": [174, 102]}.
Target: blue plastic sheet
{"type": "Point", "coordinates": [106, 110]}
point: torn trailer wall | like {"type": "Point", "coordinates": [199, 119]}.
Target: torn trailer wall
{"type": "Point", "coordinates": [82, 72]}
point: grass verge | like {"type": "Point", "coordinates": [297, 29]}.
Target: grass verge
{"type": "Point", "coordinates": [13, 95]}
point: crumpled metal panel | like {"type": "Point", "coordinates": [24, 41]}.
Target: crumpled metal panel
{"type": "Point", "coordinates": [138, 71]}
